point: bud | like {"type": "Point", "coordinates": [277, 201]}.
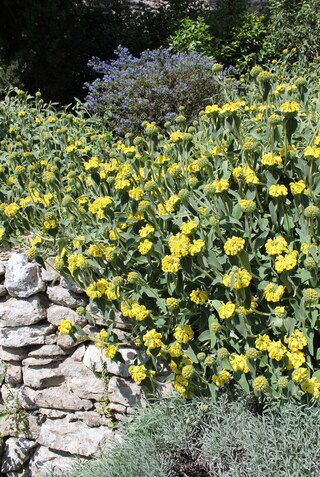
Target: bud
{"type": "Point", "coordinates": [312, 211]}
{"type": "Point", "coordinates": [201, 356]}
{"type": "Point", "coordinates": [217, 68]}
{"type": "Point", "coordinates": [283, 382]}
{"type": "Point", "coordinates": [172, 303]}
{"type": "Point", "coordinates": [81, 311]}
{"type": "Point", "coordinates": [144, 206]}
{"type": "Point", "coordinates": [184, 194]}
{"type": "Point", "coordinates": [209, 361]}
{"type": "Point", "coordinates": [260, 384]}
{"type": "Point", "coordinates": [216, 327]}
{"type": "Point", "coordinates": [252, 353]}
{"type": "Point", "coordinates": [32, 254]}
{"type": "Point", "coordinates": [133, 277]}
{"type": "Point", "coordinates": [310, 263]}
{"type": "Point", "coordinates": [117, 281]}
{"type": "Point", "coordinates": [181, 120]}
{"type": "Point", "coordinates": [310, 295]}
{"type": "Point", "coordinates": [222, 353]}
{"type": "Point", "coordinates": [67, 200]}
{"type": "Point", "coordinates": [187, 371]}
{"type": "Point", "coordinates": [255, 71]}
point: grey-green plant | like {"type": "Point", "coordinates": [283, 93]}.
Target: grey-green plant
{"type": "Point", "coordinates": [227, 438]}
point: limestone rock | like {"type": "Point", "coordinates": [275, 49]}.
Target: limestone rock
{"type": "Point", "coordinates": [64, 297]}
{"type": "Point", "coordinates": [70, 285]}
{"type": "Point", "coordinates": [47, 462]}
{"type": "Point", "coordinates": [81, 380]}
{"type": "Point", "coordinates": [12, 354]}
{"type": "Point", "coordinates": [21, 312]}
{"type": "Point", "coordinates": [2, 269]}
{"type": "Point", "coordinates": [49, 274]}
{"type": "Point", "coordinates": [94, 359]}
{"type": "Point", "coordinates": [16, 452]}
{"type": "Point", "coordinates": [55, 398]}
{"type": "Point", "coordinates": [57, 313]}
{"type": "Point", "coordinates": [74, 437]}
{"type": "Point", "coordinates": [41, 362]}
{"type": "Point", "coordinates": [24, 335]}
{"type": "Point", "coordinates": [13, 374]}
{"type": "Point", "coordinates": [46, 351]}
{"type": "Point", "coordinates": [38, 377]}
{"type": "Point", "coordinates": [90, 419]}
{"type": "Point", "coordinates": [123, 392]}
{"type": "Point", "coordinates": [23, 279]}
{"type": "Point", "coordinates": [51, 339]}
{"type": "Point", "coordinates": [79, 353]}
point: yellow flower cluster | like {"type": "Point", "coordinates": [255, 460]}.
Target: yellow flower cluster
{"type": "Point", "coordinates": [234, 245]}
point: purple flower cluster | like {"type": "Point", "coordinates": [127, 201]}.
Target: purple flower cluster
{"type": "Point", "coordinates": [151, 87]}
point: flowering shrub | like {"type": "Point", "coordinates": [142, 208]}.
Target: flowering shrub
{"type": "Point", "coordinates": [151, 87]}
{"type": "Point", "coordinates": [205, 237]}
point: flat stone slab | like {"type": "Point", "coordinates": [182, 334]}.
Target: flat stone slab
{"type": "Point", "coordinates": [81, 380]}
{"type": "Point", "coordinates": [57, 313]}
{"type": "Point", "coordinates": [21, 312]}
{"type": "Point", "coordinates": [123, 392]}
{"type": "Point", "coordinates": [46, 462]}
{"type": "Point", "coordinates": [24, 335]}
{"type": "Point", "coordinates": [63, 296]}
{"type": "Point", "coordinates": [74, 437]}
{"type": "Point", "coordinates": [55, 398]}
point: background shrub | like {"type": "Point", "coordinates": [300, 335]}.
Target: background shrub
{"type": "Point", "coordinates": [292, 24]}
{"type": "Point", "coordinates": [151, 87]}
{"type": "Point", "coordinates": [192, 35]}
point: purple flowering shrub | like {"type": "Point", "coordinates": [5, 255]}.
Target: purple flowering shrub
{"type": "Point", "coordinates": [151, 87]}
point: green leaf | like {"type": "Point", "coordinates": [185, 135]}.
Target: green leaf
{"type": "Point", "coordinates": [205, 336]}
{"type": "Point", "coordinates": [242, 380]}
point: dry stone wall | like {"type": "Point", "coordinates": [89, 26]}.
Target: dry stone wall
{"type": "Point", "coordinates": [60, 397]}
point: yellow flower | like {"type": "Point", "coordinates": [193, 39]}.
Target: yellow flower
{"type": "Point", "coordinates": [11, 210]}
{"type": "Point", "coordinates": [146, 231]}
{"type": "Point", "coordinates": [276, 246]}
{"type": "Point", "coordinates": [277, 350]}
{"type": "Point", "coordinates": [237, 279]}
{"type": "Point", "coordinates": [138, 373]}
{"type": "Point", "coordinates": [247, 205]}
{"type": "Point", "coordinates": [200, 297]}
{"type": "Point", "coordinates": [145, 247]}
{"type": "Point", "coordinates": [222, 378]}
{"type": "Point", "coordinates": [179, 245]}
{"type": "Point", "coordinates": [285, 263]}
{"type": "Point", "coordinates": [175, 350]}
{"type": "Point", "coordinates": [299, 375]}
{"type": "Point", "coordinates": [297, 340]}
{"type": "Point", "coordinates": [76, 261]}
{"type": "Point", "coordinates": [312, 152]}
{"type": "Point", "coordinates": [221, 186]}
{"type": "Point", "coordinates": [196, 247]}
{"type": "Point", "coordinates": [273, 293]}
{"type": "Point", "coordinates": [183, 333]}
{"type": "Point", "coordinates": [170, 264]}
{"type": "Point", "coordinates": [289, 108]}
{"type": "Point", "coordinates": [65, 327]}
{"type": "Point", "coordinates": [262, 342]}
{"type": "Point", "coordinates": [297, 187]}
{"type": "Point", "coordinates": [278, 190]}
{"type": "Point", "coordinates": [234, 245]}
{"type": "Point", "coordinates": [152, 339]}
{"type": "Point", "coordinates": [136, 193]}
{"type": "Point", "coordinates": [99, 205]}
{"type": "Point", "coordinates": [227, 310]}
{"type": "Point", "coordinates": [188, 227]}
{"type": "Point", "coordinates": [239, 363]}
{"type": "Point", "coordinates": [270, 160]}
{"type": "Point", "coordinates": [172, 303]}
{"type": "Point", "coordinates": [110, 351]}
{"type": "Point", "coordinates": [295, 359]}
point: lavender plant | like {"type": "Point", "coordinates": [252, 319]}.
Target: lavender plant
{"type": "Point", "coordinates": [151, 87]}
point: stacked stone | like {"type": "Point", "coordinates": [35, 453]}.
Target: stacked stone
{"type": "Point", "coordinates": [58, 408]}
